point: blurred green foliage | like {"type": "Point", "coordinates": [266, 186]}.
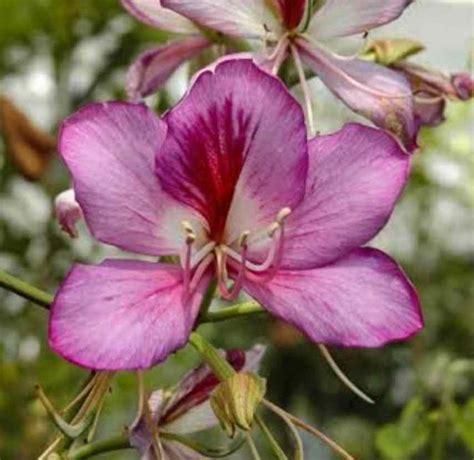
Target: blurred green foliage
{"type": "Point", "coordinates": [423, 388]}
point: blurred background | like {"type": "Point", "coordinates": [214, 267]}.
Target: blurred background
{"type": "Point", "coordinates": [57, 55]}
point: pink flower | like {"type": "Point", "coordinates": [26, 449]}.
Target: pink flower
{"type": "Point", "coordinates": [378, 93]}
{"type": "Point", "coordinates": [154, 66]}
{"type": "Point", "coordinates": [228, 181]}
{"type": "Point", "coordinates": [186, 409]}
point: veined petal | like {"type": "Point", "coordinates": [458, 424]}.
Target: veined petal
{"type": "Point", "coordinates": [154, 66]}
{"type": "Point", "coordinates": [122, 314]}
{"type": "Point", "coordinates": [109, 149]}
{"type": "Point", "coordinates": [354, 179]}
{"type": "Point", "coordinates": [152, 13]}
{"type": "Point", "coordinates": [361, 300]}
{"type": "Point", "coordinates": [382, 95]}
{"type": "Point", "coordinates": [292, 12]}
{"type": "Point", "coordinates": [337, 18]}
{"type": "Point", "coordinates": [249, 18]}
{"type": "Point", "coordinates": [235, 161]}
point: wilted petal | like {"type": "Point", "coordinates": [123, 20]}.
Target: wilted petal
{"type": "Point", "coordinates": [68, 212]}
{"type": "Point", "coordinates": [361, 300]}
{"type": "Point", "coordinates": [249, 18]}
{"type": "Point", "coordinates": [152, 13]}
{"type": "Point", "coordinates": [429, 108]}
{"type": "Point", "coordinates": [380, 94]}
{"type": "Point", "coordinates": [154, 66]}
{"type": "Point", "coordinates": [337, 18]}
{"type": "Point", "coordinates": [110, 149]}
{"type": "Point", "coordinates": [225, 154]}
{"type": "Point", "coordinates": [122, 314]}
{"type": "Point", "coordinates": [463, 84]}
{"type": "Point", "coordinates": [188, 410]}
{"type": "Point", "coordinates": [355, 177]}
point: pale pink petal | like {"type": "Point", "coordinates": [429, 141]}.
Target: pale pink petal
{"type": "Point", "coordinates": [122, 314]}
{"type": "Point", "coordinates": [236, 149]}
{"type": "Point", "coordinates": [154, 66]}
{"type": "Point", "coordinates": [176, 451]}
{"type": "Point", "coordinates": [152, 13]}
{"type": "Point", "coordinates": [382, 95]}
{"type": "Point", "coordinates": [337, 18]}
{"type": "Point", "coordinates": [429, 108]}
{"type": "Point", "coordinates": [361, 300]}
{"type": "Point", "coordinates": [355, 177]}
{"type": "Point", "coordinates": [68, 212]}
{"type": "Point", "coordinates": [109, 149]}
{"type": "Point", "coordinates": [248, 18]}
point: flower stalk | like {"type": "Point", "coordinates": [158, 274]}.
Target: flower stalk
{"type": "Point", "coordinates": [25, 290]}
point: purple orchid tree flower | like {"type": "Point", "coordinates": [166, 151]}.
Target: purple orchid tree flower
{"type": "Point", "coordinates": [186, 409]}
{"type": "Point", "coordinates": [154, 66]}
{"type": "Point", "coordinates": [228, 181]}
{"type": "Point", "coordinates": [379, 94]}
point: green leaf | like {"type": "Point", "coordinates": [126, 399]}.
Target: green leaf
{"type": "Point", "coordinates": [464, 423]}
{"type": "Point", "coordinates": [400, 441]}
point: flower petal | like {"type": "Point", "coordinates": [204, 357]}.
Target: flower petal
{"type": "Point", "coordinates": [249, 18]}
{"type": "Point", "coordinates": [361, 300]}
{"type": "Point", "coordinates": [68, 212]}
{"type": "Point", "coordinates": [154, 66]}
{"type": "Point", "coordinates": [109, 149]}
{"type": "Point", "coordinates": [122, 314]}
{"type": "Point", "coordinates": [429, 108]}
{"type": "Point", "coordinates": [382, 95]}
{"type": "Point", "coordinates": [355, 177]}
{"type": "Point", "coordinates": [292, 12]}
{"type": "Point", "coordinates": [337, 18]}
{"type": "Point", "coordinates": [226, 155]}
{"type": "Point", "coordinates": [152, 13]}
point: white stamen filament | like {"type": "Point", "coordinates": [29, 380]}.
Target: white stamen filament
{"type": "Point", "coordinates": [305, 89]}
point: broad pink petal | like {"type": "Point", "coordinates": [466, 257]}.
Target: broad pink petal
{"type": "Point", "coordinates": [337, 18]}
{"type": "Point", "coordinates": [361, 300]}
{"type": "Point", "coordinates": [236, 149]}
{"type": "Point", "coordinates": [355, 177]}
{"type": "Point", "coordinates": [152, 13]}
{"type": "Point", "coordinates": [109, 149]}
{"type": "Point", "coordinates": [292, 12]}
{"type": "Point", "coordinates": [248, 18]}
{"type": "Point", "coordinates": [154, 66]}
{"type": "Point", "coordinates": [68, 212]}
{"type": "Point", "coordinates": [122, 314]}
{"type": "Point", "coordinates": [382, 95]}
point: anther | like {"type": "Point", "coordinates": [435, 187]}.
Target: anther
{"type": "Point", "coordinates": [243, 238]}
{"type": "Point", "coordinates": [283, 214]}
{"type": "Point", "coordinates": [189, 232]}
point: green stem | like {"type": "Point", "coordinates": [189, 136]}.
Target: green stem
{"type": "Point", "coordinates": [211, 356]}
{"type": "Point", "coordinates": [240, 310]}
{"type": "Point", "coordinates": [277, 450]}
{"type": "Point", "coordinates": [25, 290]}
{"type": "Point", "coordinates": [207, 299]}
{"type": "Point", "coordinates": [99, 447]}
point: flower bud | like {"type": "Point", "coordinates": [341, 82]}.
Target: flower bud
{"type": "Point", "coordinates": [236, 399]}
{"type": "Point", "coordinates": [388, 52]}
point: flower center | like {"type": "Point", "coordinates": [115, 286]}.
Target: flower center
{"type": "Point", "coordinates": [233, 258]}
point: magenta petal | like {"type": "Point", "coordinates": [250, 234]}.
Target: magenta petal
{"type": "Point", "coordinates": [355, 177]}
{"type": "Point", "coordinates": [382, 95]}
{"type": "Point", "coordinates": [109, 149]}
{"type": "Point", "coordinates": [241, 18]}
{"type": "Point", "coordinates": [361, 300]}
{"type": "Point", "coordinates": [152, 13]}
{"type": "Point", "coordinates": [338, 18]}
{"type": "Point", "coordinates": [235, 161]}
{"type": "Point", "coordinates": [154, 66]}
{"type": "Point", "coordinates": [122, 314]}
